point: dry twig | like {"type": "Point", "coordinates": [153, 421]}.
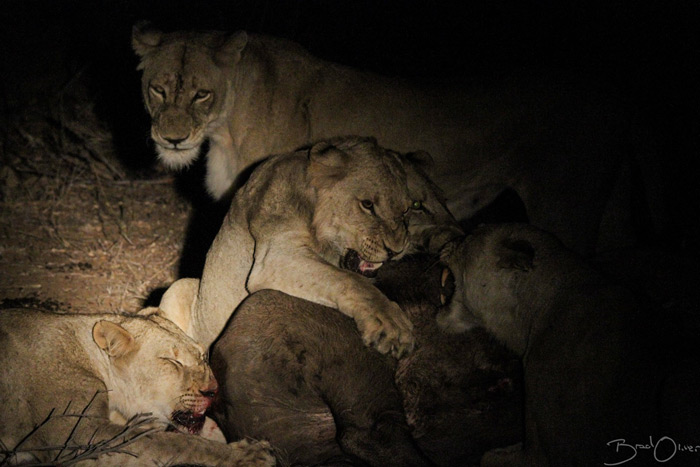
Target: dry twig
{"type": "Point", "coordinates": [72, 452]}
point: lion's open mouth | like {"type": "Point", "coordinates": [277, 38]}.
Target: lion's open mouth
{"type": "Point", "coordinates": [192, 422]}
{"type": "Point", "coordinates": [354, 262]}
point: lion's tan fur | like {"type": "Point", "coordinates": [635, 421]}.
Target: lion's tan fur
{"type": "Point", "coordinates": [591, 375]}
{"type": "Point", "coordinates": [290, 226]}
{"type": "Point", "coordinates": [560, 146]}
{"type": "Point", "coordinates": [131, 365]}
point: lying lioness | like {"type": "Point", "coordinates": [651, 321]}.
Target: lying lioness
{"type": "Point", "coordinates": [106, 387]}
{"type": "Point", "coordinates": [590, 355]}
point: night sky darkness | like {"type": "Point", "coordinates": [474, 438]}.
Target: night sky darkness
{"type": "Point", "coordinates": [647, 51]}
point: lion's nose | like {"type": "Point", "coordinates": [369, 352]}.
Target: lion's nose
{"type": "Point", "coordinates": [210, 389]}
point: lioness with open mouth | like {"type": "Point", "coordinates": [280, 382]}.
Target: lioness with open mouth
{"type": "Point", "coordinates": [315, 224]}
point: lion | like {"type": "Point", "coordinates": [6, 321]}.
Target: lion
{"type": "Point", "coordinates": [592, 352]}
{"type": "Point", "coordinates": [118, 389]}
{"type": "Point", "coordinates": [315, 224]}
{"type": "Point", "coordinates": [559, 145]}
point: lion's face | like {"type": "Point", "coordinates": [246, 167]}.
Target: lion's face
{"type": "Point", "coordinates": [362, 204]}
{"type": "Point", "coordinates": [430, 223]}
{"type": "Point", "coordinates": [184, 87]}
{"type": "Point", "coordinates": [155, 368]}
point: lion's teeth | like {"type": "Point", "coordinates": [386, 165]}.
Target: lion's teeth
{"type": "Point", "coordinates": [369, 266]}
{"type": "Point", "coordinates": [445, 275]}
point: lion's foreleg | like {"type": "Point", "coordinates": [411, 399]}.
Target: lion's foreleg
{"type": "Point", "coordinates": [124, 446]}
{"type": "Point", "coordinates": [223, 284]}
{"type": "Point", "coordinates": [301, 273]}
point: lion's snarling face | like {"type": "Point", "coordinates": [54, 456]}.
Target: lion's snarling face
{"type": "Point", "coordinates": [363, 203]}
{"type": "Point", "coordinates": [156, 369]}
{"type": "Point", "coordinates": [184, 87]}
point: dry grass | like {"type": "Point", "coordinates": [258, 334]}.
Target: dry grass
{"type": "Point", "coordinates": [74, 230]}
{"type": "Point", "coordinates": [71, 452]}
{"type": "Point", "coordinates": [78, 235]}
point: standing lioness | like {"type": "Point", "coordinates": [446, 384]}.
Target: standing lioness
{"type": "Point", "coordinates": [561, 147]}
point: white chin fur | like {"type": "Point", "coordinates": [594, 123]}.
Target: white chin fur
{"type": "Point", "coordinates": [177, 158]}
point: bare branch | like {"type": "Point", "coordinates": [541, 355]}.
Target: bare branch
{"type": "Point", "coordinates": [71, 453]}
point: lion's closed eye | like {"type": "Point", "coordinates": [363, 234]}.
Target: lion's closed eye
{"type": "Point", "coordinates": [177, 364]}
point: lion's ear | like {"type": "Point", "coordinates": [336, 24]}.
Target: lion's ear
{"type": "Point", "coordinates": [327, 165]}
{"type": "Point", "coordinates": [144, 37]}
{"type": "Point", "coordinates": [230, 51]}
{"type": "Point", "coordinates": [113, 339]}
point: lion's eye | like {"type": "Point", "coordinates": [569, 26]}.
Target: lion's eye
{"type": "Point", "coordinates": [176, 363]}
{"type": "Point", "coordinates": [367, 205]}
{"type": "Point", "coordinates": [157, 91]}
{"type": "Point", "coordinates": [417, 205]}
{"type": "Point", "coordinates": [202, 95]}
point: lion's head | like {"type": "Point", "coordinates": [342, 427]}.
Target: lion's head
{"type": "Point", "coordinates": [363, 201]}
{"type": "Point", "coordinates": [430, 223]}
{"type": "Point", "coordinates": [155, 368]}
{"type": "Point", "coordinates": [184, 86]}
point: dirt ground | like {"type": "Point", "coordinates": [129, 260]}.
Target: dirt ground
{"type": "Point", "coordinates": [92, 247]}
{"type": "Point", "coordinates": [78, 232]}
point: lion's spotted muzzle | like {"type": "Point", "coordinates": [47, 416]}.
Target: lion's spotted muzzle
{"type": "Point", "coordinates": [191, 416]}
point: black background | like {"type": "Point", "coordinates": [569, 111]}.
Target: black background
{"type": "Point", "coordinates": [646, 51]}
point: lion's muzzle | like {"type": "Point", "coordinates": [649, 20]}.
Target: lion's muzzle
{"type": "Point", "coordinates": [190, 415]}
{"type": "Point", "coordinates": [352, 261]}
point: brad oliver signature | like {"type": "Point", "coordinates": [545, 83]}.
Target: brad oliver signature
{"type": "Point", "coordinates": [662, 450]}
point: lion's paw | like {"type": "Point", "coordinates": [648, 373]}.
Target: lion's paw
{"type": "Point", "coordinates": [386, 328]}
{"type": "Point", "coordinates": [251, 453]}
{"type": "Point", "coordinates": [211, 431]}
